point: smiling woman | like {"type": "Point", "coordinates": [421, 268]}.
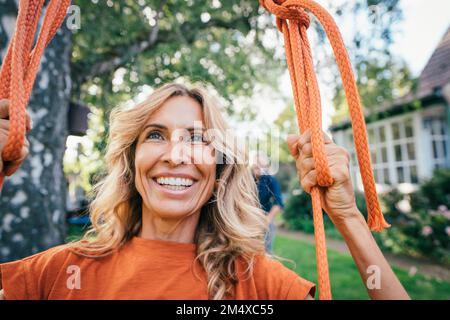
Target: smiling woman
{"type": "Point", "coordinates": [176, 216]}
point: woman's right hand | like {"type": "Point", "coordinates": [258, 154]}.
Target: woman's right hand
{"type": "Point", "coordinates": [9, 167]}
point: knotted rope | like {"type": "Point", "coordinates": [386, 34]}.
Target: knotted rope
{"type": "Point", "coordinates": [293, 21]}
{"type": "Point", "coordinates": [21, 64]}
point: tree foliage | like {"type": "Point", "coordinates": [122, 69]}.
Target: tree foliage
{"type": "Point", "coordinates": [151, 42]}
{"type": "Point", "coordinates": [124, 47]}
{"type": "Point", "coordinates": [381, 76]}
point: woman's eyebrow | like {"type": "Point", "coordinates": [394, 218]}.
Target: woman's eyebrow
{"type": "Point", "coordinates": [163, 127]}
{"type": "Point", "coordinates": [156, 125]}
{"type": "Point", "coordinates": [195, 128]}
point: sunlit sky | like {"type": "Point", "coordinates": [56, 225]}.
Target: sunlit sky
{"type": "Point", "coordinates": [426, 21]}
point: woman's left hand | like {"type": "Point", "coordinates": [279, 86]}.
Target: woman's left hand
{"type": "Point", "coordinates": [338, 200]}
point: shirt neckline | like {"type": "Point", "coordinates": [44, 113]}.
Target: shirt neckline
{"type": "Point", "coordinates": [164, 245]}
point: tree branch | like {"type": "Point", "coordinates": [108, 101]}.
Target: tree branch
{"type": "Point", "coordinates": [105, 66]}
{"type": "Point", "coordinates": [119, 57]}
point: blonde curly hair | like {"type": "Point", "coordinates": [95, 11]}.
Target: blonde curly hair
{"type": "Point", "coordinates": [232, 223]}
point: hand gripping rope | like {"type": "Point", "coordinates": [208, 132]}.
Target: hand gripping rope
{"type": "Point", "coordinates": [21, 65]}
{"type": "Point", "coordinates": [293, 21]}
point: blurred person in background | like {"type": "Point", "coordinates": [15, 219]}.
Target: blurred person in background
{"type": "Point", "coordinates": [269, 194]}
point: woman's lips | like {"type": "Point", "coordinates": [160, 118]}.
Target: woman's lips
{"type": "Point", "coordinates": [164, 189]}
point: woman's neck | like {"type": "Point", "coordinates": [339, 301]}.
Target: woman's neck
{"type": "Point", "coordinates": [159, 228]}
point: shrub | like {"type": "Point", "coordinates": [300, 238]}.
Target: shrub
{"type": "Point", "coordinates": [298, 214]}
{"type": "Point", "coordinates": [423, 231]}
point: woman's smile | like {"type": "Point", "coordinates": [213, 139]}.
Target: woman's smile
{"type": "Point", "coordinates": [174, 186]}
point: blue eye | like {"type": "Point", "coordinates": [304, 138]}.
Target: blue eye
{"type": "Point", "coordinates": [154, 135]}
{"type": "Point", "coordinates": [198, 138]}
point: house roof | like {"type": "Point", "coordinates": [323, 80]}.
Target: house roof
{"type": "Point", "coordinates": [433, 78]}
{"type": "Point", "coordinates": [436, 73]}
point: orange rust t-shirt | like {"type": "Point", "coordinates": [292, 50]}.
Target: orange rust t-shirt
{"type": "Point", "coordinates": [141, 269]}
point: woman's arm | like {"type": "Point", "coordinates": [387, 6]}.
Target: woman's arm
{"type": "Point", "coordinates": [2, 296]}
{"type": "Point", "coordinates": [338, 201]}
{"type": "Point", "coordinates": [378, 277]}
{"type": "Point", "coordinates": [276, 209]}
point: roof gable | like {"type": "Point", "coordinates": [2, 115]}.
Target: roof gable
{"type": "Point", "coordinates": [436, 73]}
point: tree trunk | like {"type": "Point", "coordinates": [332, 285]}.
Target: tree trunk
{"type": "Point", "coordinates": [33, 200]}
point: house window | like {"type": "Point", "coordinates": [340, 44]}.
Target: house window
{"type": "Point", "coordinates": [404, 150]}
{"type": "Point", "coordinates": [379, 153]}
{"type": "Point", "coordinates": [439, 141]}
{"type": "Point", "coordinates": [392, 151]}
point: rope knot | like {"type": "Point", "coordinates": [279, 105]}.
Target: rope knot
{"type": "Point", "coordinates": [303, 17]}
{"type": "Point", "coordinates": [286, 12]}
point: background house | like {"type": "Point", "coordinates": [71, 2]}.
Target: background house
{"type": "Point", "coordinates": [411, 137]}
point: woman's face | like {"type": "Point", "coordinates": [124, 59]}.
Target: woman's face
{"type": "Point", "coordinates": [175, 167]}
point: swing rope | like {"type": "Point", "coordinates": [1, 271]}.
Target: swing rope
{"type": "Point", "coordinates": [293, 21]}
{"type": "Point", "coordinates": [21, 64]}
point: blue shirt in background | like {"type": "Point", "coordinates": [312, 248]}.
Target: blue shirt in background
{"type": "Point", "coordinates": [269, 192]}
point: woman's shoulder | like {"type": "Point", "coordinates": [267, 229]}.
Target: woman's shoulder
{"type": "Point", "coordinates": [18, 278]}
{"type": "Point", "coordinates": [269, 267]}
{"type": "Point", "coordinates": [276, 281]}
{"type": "Point", "coordinates": [44, 258]}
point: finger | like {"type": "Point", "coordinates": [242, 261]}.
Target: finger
{"type": "Point", "coordinates": [4, 114]}
{"type": "Point", "coordinates": [332, 151]}
{"type": "Point", "coordinates": [305, 143]}
{"type": "Point", "coordinates": [307, 150]}
{"type": "Point", "coordinates": [327, 138]}
{"type": "Point", "coordinates": [304, 156]}
{"type": "Point", "coordinates": [11, 167]}
{"type": "Point", "coordinates": [304, 139]}
{"type": "Point", "coordinates": [4, 124]}
{"type": "Point", "coordinates": [309, 181]}
{"type": "Point", "coordinates": [29, 122]}
{"type": "Point", "coordinates": [307, 165]}
{"type": "Point", "coordinates": [292, 142]}
{"type": "Point", "coordinates": [4, 109]}
{"type": "Point", "coordinates": [335, 156]}
{"type": "Point", "coordinates": [340, 173]}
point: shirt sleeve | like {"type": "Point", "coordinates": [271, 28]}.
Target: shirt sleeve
{"type": "Point", "coordinates": [32, 277]}
{"type": "Point", "coordinates": [300, 289]}
{"type": "Point", "coordinates": [14, 280]}
{"type": "Point", "coordinates": [275, 188]}
{"type": "Point", "coordinates": [280, 282]}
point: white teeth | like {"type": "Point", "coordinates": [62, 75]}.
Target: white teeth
{"type": "Point", "coordinates": [175, 181]}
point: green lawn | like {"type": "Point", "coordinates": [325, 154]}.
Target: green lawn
{"type": "Point", "coordinates": [345, 280]}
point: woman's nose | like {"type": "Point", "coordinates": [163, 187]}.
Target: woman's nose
{"type": "Point", "coordinates": [178, 153]}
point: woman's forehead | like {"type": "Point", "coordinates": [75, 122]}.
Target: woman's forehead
{"type": "Point", "coordinates": [178, 112]}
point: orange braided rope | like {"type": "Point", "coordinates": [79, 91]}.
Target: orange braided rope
{"type": "Point", "coordinates": [21, 65]}
{"type": "Point", "coordinates": [293, 21]}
